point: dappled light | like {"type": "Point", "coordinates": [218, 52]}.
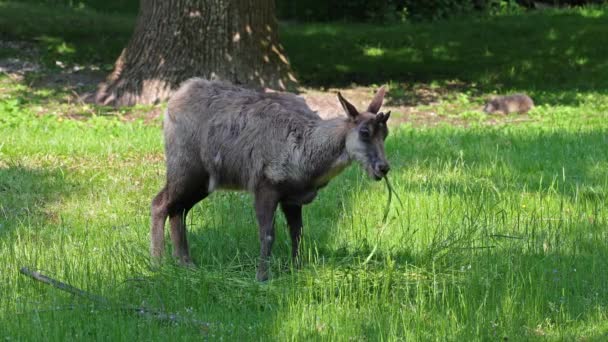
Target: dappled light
{"type": "Point", "coordinates": [29, 195]}
{"type": "Point", "coordinates": [191, 46]}
{"type": "Point", "coordinates": [518, 59]}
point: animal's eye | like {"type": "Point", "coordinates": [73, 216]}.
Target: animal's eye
{"type": "Point", "coordinates": [364, 133]}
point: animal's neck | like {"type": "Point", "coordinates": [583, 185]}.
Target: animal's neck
{"type": "Point", "coordinates": [326, 149]}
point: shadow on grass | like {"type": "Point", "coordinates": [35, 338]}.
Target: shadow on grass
{"type": "Point", "coordinates": [27, 193]}
{"type": "Point", "coordinates": [67, 35]}
{"type": "Point", "coordinates": [511, 291]}
{"type": "Point", "coordinates": [537, 53]}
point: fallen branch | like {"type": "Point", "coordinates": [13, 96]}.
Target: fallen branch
{"type": "Point", "coordinates": [506, 236]}
{"type": "Point", "coordinates": [139, 310]}
{"type": "Point", "coordinates": [63, 286]}
{"type": "Point", "coordinates": [475, 247]}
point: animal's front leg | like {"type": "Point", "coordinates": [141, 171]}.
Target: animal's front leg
{"type": "Point", "coordinates": [266, 200]}
{"type": "Point", "coordinates": [178, 237]}
{"type": "Point", "coordinates": [293, 215]}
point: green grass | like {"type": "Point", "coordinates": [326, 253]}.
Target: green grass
{"type": "Point", "coordinates": [502, 233]}
{"type": "Point", "coordinates": [495, 52]}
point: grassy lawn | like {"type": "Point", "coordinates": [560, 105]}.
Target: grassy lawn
{"type": "Point", "coordinates": [503, 232]}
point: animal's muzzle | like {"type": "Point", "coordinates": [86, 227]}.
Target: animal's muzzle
{"type": "Point", "coordinates": [381, 169]}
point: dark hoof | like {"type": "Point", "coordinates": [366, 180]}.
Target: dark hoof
{"type": "Point", "coordinates": [185, 262]}
{"type": "Point", "coordinates": [296, 263]}
{"type": "Point", "coordinates": [262, 276]}
{"type": "Point", "coordinates": [155, 262]}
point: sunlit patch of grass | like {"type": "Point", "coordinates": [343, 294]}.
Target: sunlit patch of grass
{"type": "Point", "coordinates": [374, 51]}
{"type": "Point", "coordinates": [56, 45]}
{"type": "Point", "coordinates": [63, 103]}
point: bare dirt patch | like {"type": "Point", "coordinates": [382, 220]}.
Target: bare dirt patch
{"type": "Point", "coordinates": [77, 80]}
{"type": "Point", "coordinates": [325, 103]}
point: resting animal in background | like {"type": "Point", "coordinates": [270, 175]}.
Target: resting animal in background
{"type": "Point", "coordinates": [219, 136]}
{"type": "Point", "coordinates": [516, 103]}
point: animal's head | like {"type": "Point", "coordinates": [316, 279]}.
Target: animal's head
{"type": "Point", "coordinates": [365, 139]}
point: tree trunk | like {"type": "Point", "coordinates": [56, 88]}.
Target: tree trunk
{"type": "Point", "coordinates": [234, 40]}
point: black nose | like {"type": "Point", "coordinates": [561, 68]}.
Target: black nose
{"type": "Point", "coordinates": [384, 168]}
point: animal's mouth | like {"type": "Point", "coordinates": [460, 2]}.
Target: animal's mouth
{"type": "Point", "coordinates": [378, 170]}
{"type": "Point", "coordinates": [374, 174]}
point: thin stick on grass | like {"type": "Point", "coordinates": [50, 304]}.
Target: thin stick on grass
{"type": "Point", "coordinates": [506, 236]}
{"type": "Point", "coordinates": [140, 311]}
{"type": "Point", "coordinates": [63, 286]}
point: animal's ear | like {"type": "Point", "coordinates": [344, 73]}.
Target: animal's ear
{"type": "Point", "coordinates": [350, 110]}
{"type": "Point", "coordinates": [376, 103]}
{"type": "Point", "coordinates": [387, 116]}
{"type": "Point", "coordinates": [383, 117]}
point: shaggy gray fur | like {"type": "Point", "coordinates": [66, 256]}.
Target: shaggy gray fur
{"type": "Point", "coordinates": [219, 136]}
{"type": "Point", "coordinates": [516, 103]}
{"type": "Point", "coordinates": [240, 137]}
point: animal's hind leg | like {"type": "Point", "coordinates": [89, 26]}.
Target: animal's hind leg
{"type": "Point", "coordinates": [159, 211]}
{"type": "Point", "coordinates": [178, 236]}
{"type": "Point", "coordinates": [188, 192]}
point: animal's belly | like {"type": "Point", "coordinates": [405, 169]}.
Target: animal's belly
{"type": "Point", "coordinates": [300, 198]}
{"type": "Point", "coordinates": [217, 182]}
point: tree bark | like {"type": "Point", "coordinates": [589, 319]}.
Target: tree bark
{"type": "Point", "coordinates": [173, 40]}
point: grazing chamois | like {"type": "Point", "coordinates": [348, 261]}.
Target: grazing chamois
{"type": "Point", "coordinates": [220, 136]}
{"type": "Point", "coordinates": [516, 103]}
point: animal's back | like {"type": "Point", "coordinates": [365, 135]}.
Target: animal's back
{"type": "Point", "coordinates": [515, 103]}
{"type": "Point", "coordinates": [519, 103]}
{"type": "Point", "coordinates": [237, 134]}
